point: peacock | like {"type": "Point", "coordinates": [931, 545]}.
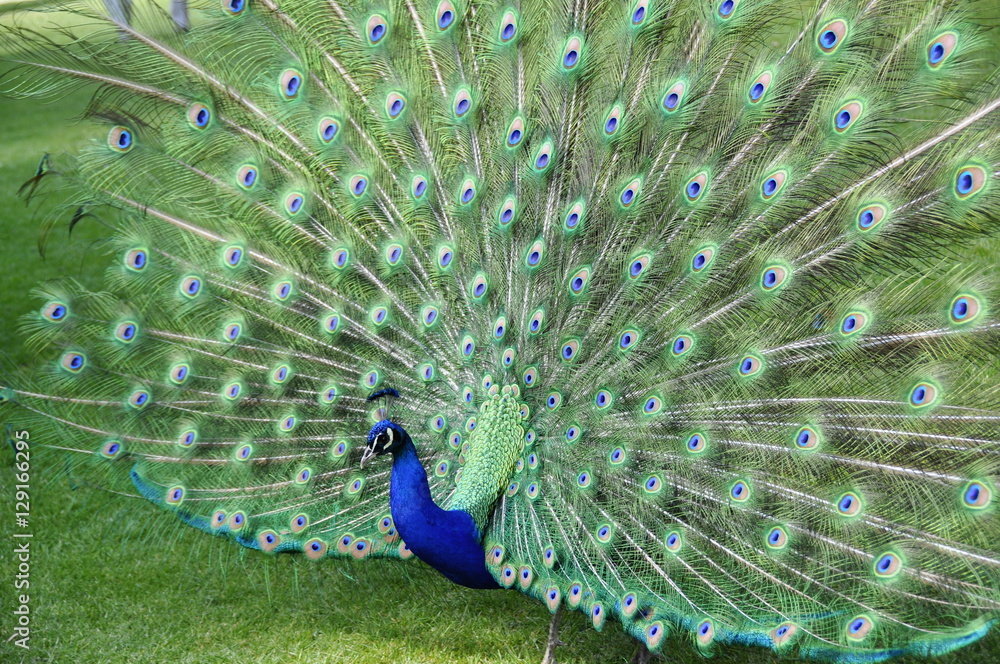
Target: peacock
{"type": "Point", "coordinates": [678, 313]}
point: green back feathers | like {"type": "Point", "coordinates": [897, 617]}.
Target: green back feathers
{"type": "Point", "coordinates": [730, 267]}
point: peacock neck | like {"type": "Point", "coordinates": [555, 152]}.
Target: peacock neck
{"type": "Point", "coordinates": [494, 446]}
{"type": "Point", "coordinates": [447, 540]}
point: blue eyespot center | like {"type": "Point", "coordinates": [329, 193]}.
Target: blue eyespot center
{"type": "Point", "coordinates": [693, 189]}
{"type": "Point", "coordinates": [770, 186]}
{"type": "Point", "coordinates": [756, 91]}
{"type": "Point", "coordinates": [627, 196]}
{"type": "Point", "coordinates": [843, 119]}
{"type": "Point", "coordinates": [445, 19]}
{"type": "Point", "coordinates": [611, 125]}
{"type": "Point", "coordinates": [726, 8]}
{"type": "Point", "coordinates": [515, 137]}
{"type": "Point", "coordinates": [828, 39]}
{"type": "Point", "coordinates": [937, 53]}
{"type": "Point", "coordinates": [508, 32]}
{"type": "Point", "coordinates": [959, 310]}
{"type": "Point", "coordinates": [377, 32]}
{"type": "Point", "coordinates": [671, 100]}
{"type": "Point", "coordinates": [965, 182]}
{"type": "Point", "coordinates": [571, 58]}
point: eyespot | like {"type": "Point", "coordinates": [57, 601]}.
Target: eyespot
{"type": "Point", "coordinates": [174, 495]}
{"type": "Point", "coordinates": [355, 486]}
{"type": "Point", "coordinates": [533, 256]}
{"type": "Point", "coordinates": [299, 523]}
{"type": "Point", "coordinates": [573, 433]}
{"type": "Point", "coordinates": [232, 332]}
{"type": "Point", "coordinates": [603, 399]}
{"type": "Point", "coordinates": [673, 541]}
{"type": "Point", "coordinates": [508, 27]}
{"type": "Point", "coordinates": [393, 254]}
{"type": "Point", "coordinates": [638, 266]}
{"type": "Point", "coordinates": [179, 373]}
{"type": "Point", "coordinates": [871, 216]}
{"type": "Point", "coordinates": [462, 103]}
{"type": "Point", "coordinates": [969, 181]}
{"type": "Point", "coordinates": [246, 177]}
{"type": "Point", "coordinates": [468, 192]}
{"type": "Point", "coordinates": [653, 484]}
{"type": "Point", "coordinates": [773, 277]}
{"type": "Point", "coordinates": [328, 129]}
{"type": "Point", "coordinates": [750, 365]}
{"type": "Point", "coordinates": [604, 532]}
{"type": "Point", "coordinates": [126, 332]}
{"type": "Point", "coordinates": [806, 438]}
{"type": "Point", "coordinates": [575, 594]}
{"type": "Point", "coordinates": [923, 394]}
{"type": "Point", "coordinates": [280, 374]}
{"type": "Point", "coordinates": [597, 611]}
{"type": "Point", "coordinates": [287, 423]}
{"type": "Point", "coordinates": [553, 400]}
{"type": "Point", "coordinates": [571, 53]}
{"type": "Point", "coordinates": [315, 549]}
{"type": "Point", "coordinates": [776, 539]}
{"type": "Point", "coordinates": [376, 29]}
{"type": "Point", "coordinates": [232, 256]}
{"type": "Point", "coordinates": [940, 48]}
{"type": "Point", "coordinates": [977, 495]}
{"type": "Point", "coordinates": [187, 438]}
{"type": "Point", "coordinates": [739, 491]}
{"type": "Point", "coordinates": [455, 440]}
{"type": "Point", "coordinates": [327, 395]}
{"type": "Point", "coordinates": [331, 323]}
{"type": "Point", "coordinates": [628, 339]}
{"type": "Point", "coordinates": [73, 362]}
{"type": "Point", "coordinates": [773, 184]}
{"type": "Point", "coordinates": [653, 405]}
{"type": "Point", "coordinates": [630, 194]}
{"type": "Point", "coordinates": [234, 7]}
{"type": "Point", "coordinates": [290, 84]}
{"type": "Point", "coordinates": [419, 186]}
{"type": "Point", "coordinates": [190, 287]}
{"type": "Point", "coordinates": [702, 259]}
{"type": "Point", "coordinates": [139, 399]}
{"type": "Point", "coordinates": [136, 260]}
{"type": "Point", "coordinates": [613, 119]}
{"type": "Point", "coordinates": [395, 103]}
{"type": "Point", "coordinates": [858, 628]}
{"type": "Point", "coordinates": [268, 540]}
{"type": "Point", "coordinates": [705, 632]}
{"type": "Point", "coordinates": [672, 97]}
{"type": "Point", "coordinates": [846, 116]}
{"type": "Point", "coordinates": [232, 390]}
{"type": "Point", "coordinates": [515, 132]}
{"type": "Point", "coordinates": [340, 258]}
{"type": "Point", "coordinates": [681, 345]}
{"type": "Point", "coordinates": [849, 504]}
{"type": "Point", "coordinates": [584, 480]}
{"type": "Point", "coordinates": [199, 115]}
{"type": "Point", "coordinates": [578, 281]}
{"type": "Point", "coordinates": [536, 321]}
{"type": "Point", "coordinates": [218, 519]}
{"type": "Point", "coordinates": [357, 185]}
{"type": "Point", "coordinates": [569, 350]}
{"type": "Point", "coordinates": [55, 311]}
{"type": "Point", "coordinates": [111, 449]}
{"type": "Point", "coordinates": [506, 213]}
{"type": "Point", "coordinates": [303, 476]}
{"type": "Point", "coordinates": [696, 187]}
{"type": "Point", "coordinates": [468, 347]}
{"type": "Point", "coordinates": [429, 315]}
{"type": "Point", "coordinates": [120, 139]}
{"type": "Point", "coordinates": [696, 443]}
{"type": "Point", "coordinates": [726, 8]}
{"type": "Point", "coordinates": [964, 308]}
{"type": "Point", "coordinates": [445, 15]}
{"type": "Point", "coordinates": [282, 290]}
{"type": "Point", "coordinates": [372, 379]}
{"type": "Point", "coordinates": [479, 286]}
{"type": "Point", "coordinates": [543, 158]}
{"type": "Point", "coordinates": [244, 452]}
{"type": "Point", "coordinates": [293, 203]}
{"type": "Point", "coordinates": [574, 217]}
{"type": "Point", "coordinates": [759, 87]}
{"type": "Point", "coordinates": [853, 323]}
{"type": "Point", "coordinates": [783, 633]}
{"type": "Point", "coordinates": [639, 12]}
{"type": "Point", "coordinates": [831, 36]}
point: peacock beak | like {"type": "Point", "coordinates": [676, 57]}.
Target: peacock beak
{"type": "Point", "coordinates": [369, 453]}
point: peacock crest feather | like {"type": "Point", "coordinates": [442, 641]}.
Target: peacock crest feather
{"type": "Point", "coordinates": [688, 305]}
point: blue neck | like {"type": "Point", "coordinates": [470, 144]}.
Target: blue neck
{"type": "Point", "coordinates": [447, 540]}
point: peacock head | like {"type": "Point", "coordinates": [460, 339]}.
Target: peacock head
{"type": "Point", "coordinates": [383, 438]}
{"type": "Point", "coordinates": [386, 436]}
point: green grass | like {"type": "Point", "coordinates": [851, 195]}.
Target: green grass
{"type": "Point", "coordinates": [115, 580]}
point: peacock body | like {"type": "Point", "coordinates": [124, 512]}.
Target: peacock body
{"type": "Point", "coordinates": [686, 307]}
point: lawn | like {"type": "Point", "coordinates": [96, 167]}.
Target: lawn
{"type": "Point", "coordinates": [112, 579]}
